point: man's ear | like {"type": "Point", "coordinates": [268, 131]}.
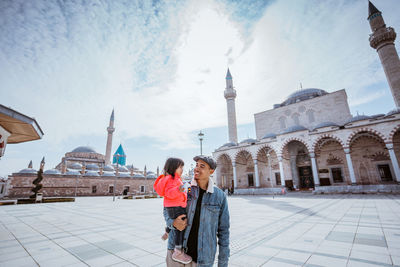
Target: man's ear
{"type": "Point", "coordinates": [212, 171]}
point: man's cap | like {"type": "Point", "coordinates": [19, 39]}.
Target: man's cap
{"type": "Point", "coordinates": [209, 160]}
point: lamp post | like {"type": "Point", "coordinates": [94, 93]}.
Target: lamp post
{"type": "Point", "coordinates": [115, 178]}
{"type": "Point", "coordinates": [201, 142]}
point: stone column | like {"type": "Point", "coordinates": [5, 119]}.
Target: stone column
{"type": "Point", "coordinates": [395, 163]}
{"type": "Point", "coordinates": [350, 165]}
{"type": "Point", "coordinates": [256, 173]}
{"type": "Point", "coordinates": [281, 170]}
{"type": "Point", "coordinates": [234, 175]}
{"type": "Point", "coordinates": [295, 174]}
{"type": "Point", "coordinates": [270, 169]}
{"type": "Point", "coordinates": [314, 169]}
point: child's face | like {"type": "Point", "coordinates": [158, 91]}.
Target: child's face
{"type": "Point", "coordinates": [179, 171]}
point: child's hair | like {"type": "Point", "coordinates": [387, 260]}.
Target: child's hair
{"type": "Point", "coordinates": [171, 165]}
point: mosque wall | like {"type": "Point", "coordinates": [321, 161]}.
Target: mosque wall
{"type": "Point", "coordinates": [316, 110]}
{"type": "Point", "coordinates": [64, 185]}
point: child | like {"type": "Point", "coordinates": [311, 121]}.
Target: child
{"type": "Point", "coordinates": [171, 187]}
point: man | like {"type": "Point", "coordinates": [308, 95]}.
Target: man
{"type": "Point", "coordinates": [207, 219]}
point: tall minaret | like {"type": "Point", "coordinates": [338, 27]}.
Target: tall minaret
{"type": "Point", "coordinates": [382, 39]}
{"type": "Point", "coordinates": [230, 95]}
{"type": "Point", "coordinates": [110, 130]}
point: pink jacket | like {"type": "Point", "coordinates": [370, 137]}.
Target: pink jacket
{"type": "Point", "coordinates": [168, 187]}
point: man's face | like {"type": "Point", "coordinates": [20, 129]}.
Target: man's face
{"type": "Point", "coordinates": [202, 171]}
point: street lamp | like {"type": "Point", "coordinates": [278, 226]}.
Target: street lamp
{"type": "Point", "coordinates": [201, 142]}
{"type": "Point", "coordinates": [115, 178]}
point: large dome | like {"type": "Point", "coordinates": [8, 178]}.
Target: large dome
{"type": "Point", "coordinates": [302, 95]}
{"type": "Point", "coordinates": [84, 149]}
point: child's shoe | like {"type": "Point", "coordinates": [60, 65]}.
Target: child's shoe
{"type": "Point", "coordinates": [181, 257]}
{"type": "Point", "coordinates": [164, 236]}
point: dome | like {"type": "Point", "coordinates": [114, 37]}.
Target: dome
{"type": "Point", "coordinates": [92, 166]}
{"type": "Point", "coordinates": [392, 112]}
{"type": "Point", "coordinates": [248, 141]}
{"type": "Point", "coordinates": [108, 168]}
{"type": "Point", "coordinates": [138, 176]}
{"type": "Point", "coordinates": [269, 135]}
{"type": "Point", "coordinates": [302, 95]}
{"type": "Point", "coordinates": [75, 166]}
{"type": "Point", "coordinates": [228, 145]}
{"type": "Point", "coordinates": [123, 169]}
{"type": "Point", "coordinates": [124, 174]}
{"type": "Point", "coordinates": [151, 176]}
{"type": "Point", "coordinates": [52, 171]}
{"type": "Point", "coordinates": [92, 173]}
{"type": "Point", "coordinates": [376, 116]}
{"type": "Point", "coordinates": [325, 124]}
{"type": "Point", "coordinates": [111, 174]}
{"type": "Point", "coordinates": [295, 128]}
{"type": "Point", "coordinates": [358, 118]}
{"type": "Point", "coordinates": [84, 149]}
{"type": "Point", "coordinates": [28, 170]}
{"type": "Point", "coordinates": [72, 172]}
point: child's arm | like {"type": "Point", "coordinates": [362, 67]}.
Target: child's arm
{"type": "Point", "coordinates": [172, 191]}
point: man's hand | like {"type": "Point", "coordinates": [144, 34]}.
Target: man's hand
{"type": "Point", "coordinates": [180, 223]}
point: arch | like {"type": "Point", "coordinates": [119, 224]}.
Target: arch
{"type": "Point", "coordinates": [296, 118]}
{"type": "Point", "coordinates": [294, 139]}
{"type": "Point", "coordinates": [263, 147]}
{"type": "Point", "coordinates": [222, 155]}
{"type": "Point", "coordinates": [392, 133]}
{"type": "Point", "coordinates": [364, 129]}
{"type": "Point", "coordinates": [240, 151]}
{"type": "Point", "coordinates": [282, 122]}
{"type": "Point", "coordinates": [327, 135]}
{"type": "Point", "coordinates": [310, 115]}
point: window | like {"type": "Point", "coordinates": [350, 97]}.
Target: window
{"type": "Point", "coordinates": [282, 121]}
{"type": "Point", "coordinates": [94, 189]}
{"type": "Point", "coordinates": [250, 179]}
{"type": "Point", "coordinates": [111, 189]}
{"type": "Point", "coordinates": [295, 118]}
{"type": "Point", "coordinates": [337, 175]}
{"type": "Point", "coordinates": [142, 189]}
{"type": "Point", "coordinates": [310, 114]}
{"type": "Point", "coordinates": [2, 189]}
{"type": "Point", "coordinates": [385, 173]}
{"type": "Point", "coordinates": [278, 178]}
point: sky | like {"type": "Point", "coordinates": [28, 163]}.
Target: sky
{"type": "Point", "coordinates": [161, 66]}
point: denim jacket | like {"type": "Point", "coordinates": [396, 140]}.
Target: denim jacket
{"type": "Point", "coordinates": [214, 222]}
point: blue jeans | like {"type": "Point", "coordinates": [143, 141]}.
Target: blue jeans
{"type": "Point", "coordinates": [173, 213]}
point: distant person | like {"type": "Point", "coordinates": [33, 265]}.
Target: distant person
{"type": "Point", "coordinates": [170, 186]}
{"type": "Point", "coordinates": [201, 237]}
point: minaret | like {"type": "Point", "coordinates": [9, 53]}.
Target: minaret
{"type": "Point", "coordinates": [382, 39]}
{"type": "Point", "coordinates": [230, 95]}
{"type": "Point", "coordinates": [110, 130]}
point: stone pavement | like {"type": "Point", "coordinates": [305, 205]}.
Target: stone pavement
{"type": "Point", "coordinates": [291, 230]}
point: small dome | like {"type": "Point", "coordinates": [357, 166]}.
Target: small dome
{"type": "Point", "coordinates": [92, 173]}
{"type": "Point", "coordinates": [392, 112]}
{"type": "Point", "coordinates": [358, 118]}
{"type": "Point", "coordinates": [151, 176]}
{"type": "Point", "coordinates": [325, 124]}
{"type": "Point", "coordinates": [108, 168]}
{"type": "Point", "coordinates": [92, 166]}
{"type": "Point", "coordinates": [28, 170]}
{"type": "Point", "coordinates": [52, 171]}
{"type": "Point", "coordinates": [248, 141]}
{"type": "Point", "coordinates": [75, 166]}
{"type": "Point", "coordinates": [124, 174]}
{"type": "Point", "coordinates": [293, 129]}
{"type": "Point", "coordinates": [269, 135]}
{"type": "Point", "coordinates": [123, 169]}
{"type": "Point", "coordinates": [110, 174]}
{"type": "Point", "coordinates": [230, 144]}
{"type": "Point", "coordinates": [72, 172]}
{"type": "Point", "coordinates": [84, 149]}
{"type": "Point", "coordinates": [137, 175]}
{"type": "Point", "coordinates": [376, 116]}
{"type": "Point", "coordinates": [302, 95]}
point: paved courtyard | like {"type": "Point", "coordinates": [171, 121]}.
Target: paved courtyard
{"type": "Point", "coordinates": [293, 230]}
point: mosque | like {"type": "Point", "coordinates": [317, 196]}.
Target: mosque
{"type": "Point", "coordinates": [85, 172]}
{"type": "Point", "coordinates": [311, 141]}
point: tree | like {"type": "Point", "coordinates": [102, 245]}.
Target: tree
{"type": "Point", "coordinates": [36, 182]}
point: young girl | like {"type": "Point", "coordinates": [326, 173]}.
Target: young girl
{"type": "Point", "coordinates": [171, 187]}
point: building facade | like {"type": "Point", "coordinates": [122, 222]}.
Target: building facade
{"type": "Point", "coordinates": [311, 141]}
